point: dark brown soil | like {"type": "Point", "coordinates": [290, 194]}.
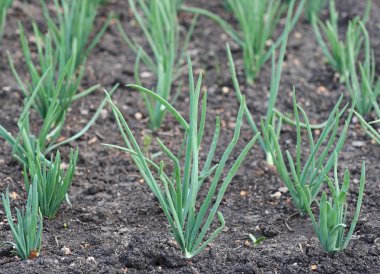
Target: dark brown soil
{"type": "Point", "coordinates": [117, 226]}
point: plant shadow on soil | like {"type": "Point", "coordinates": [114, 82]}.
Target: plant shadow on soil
{"type": "Point", "coordinates": [117, 226]}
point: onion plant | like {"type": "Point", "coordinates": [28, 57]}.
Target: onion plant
{"type": "Point", "coordinates": [53, 183]}
{"type": "Point", "coordinates": [310, 174]}
{"type": "Point", "coordinates": [158, 21]}
{"type": "Point", "coordinates": [24, 142]}
{"type": "Point", "coordinates": [61, 83]}
{"type": "Point", "coordinates": [368, 127]}
{"type": "Point", "coordinates": [333, 47]}
{"type": "Point", "coordinates": [313, 7]}
{"type": "Point", "coordinates": [257, 20]}
{"type": "Point", "coordinates": [270, 116]}
{"type": "Point", "coordinates": [4, 6]}
{"type": "Point", "coordinates": [331, 226]}
{"type": "Point", "coordinates": [73, 24]}
{"type": "Point", "coordinates": [27, 232]}
{"type": "Point", "coordinates": [363, 86]}
{"type": "Point", "coordinates": [178, 194]}
{"type": "Point", "coordinates": [49, 131]}
{"type": "Point", "coordinates": [179, 3]}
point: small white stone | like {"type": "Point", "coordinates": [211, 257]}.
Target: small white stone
{"type": "Point", "coordinates": [90, 260]}
{"type": "Point", "coordinates": [65, 250]}
{"type": "Point", "coordinates": [104, 113]}
{"type": "Point", "coordinates": [276, 195]}
{"type": "Point", "coordinates": [225, 90]}
{"type": "Point", "coordinates": [138, 115]}
{"type": "Point", "coordinates": [297, 35]}
{"type": "Point", "coordinates": [145, 74]}
{"type": "Point", "coordinates": [7, 88]}
{"type": "Point", "coordinates": [84, 111]}
{"type": "Point", "coordinates": [358, 143]}
{"type": "Point", "coordinates": [283, 189]}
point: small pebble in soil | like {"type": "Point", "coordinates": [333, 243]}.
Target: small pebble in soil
{"type": "Point", "coordinates": [14, 195]}
{"type": "Point", "coordinates": [6, 88]}
{"type": "Point", "coordinates": [297, 35]}
{"type": "Point", "coordinates": [84, 112]}
{"type": "Point", "coordinates": [145, 74]}
{"type": "Point", "coordinates": [276, 195]}
{"type": "Point", "coordinates": [225, 90]}
{"type": "Point", "coordinates": [65, 250]}
{"type": "Point", "coordinates": [90, 260]}
{"type": "Point", "coordinates": [92, 140]}
{"type": "Point", "coordinates": [322, 90]}
{"type": "Point", "coordinates": [243, 193]}
{"type": "Point", "coordinates": [283, 189]}
{"type": "Point", "coordinates": [138, 116]}
{"type": "Point", "coordinates": [358, 143]}
{"type": "Point", "coordinates": [314, 267]}
{"type": "Point", "coordinates": [104, 113]}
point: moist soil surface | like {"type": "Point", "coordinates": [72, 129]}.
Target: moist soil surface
{"type": "Point", "coordinates": [116, 225]}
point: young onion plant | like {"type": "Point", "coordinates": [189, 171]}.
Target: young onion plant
{"type": "Point", "coordinates": [257, 20]}
{"type": "Point", "coordinates": [333, 47]}
{"type": "Point", "coordinates": [158, 21]}
{"type": "Point", "coordinates": [314, 7]}
{"type": "Point", "coordinates": [73, 23]}
{"type": "Point", "coordinates": [25, 140]}
{"type": "Point", "coordinates": [61, 83]}
{"type": "Point", "coordinates": [49, 132]}
{"type": "Point", "coordinates": [369, 127]}
{"type": "Point", "coordinates": [178, 193]}
{"type": "Point", "coordinates": [363, 85]}
{"type": "Point", "coordinates": [53, 183]}
{"type": "Point", "coordinates": [270, 116]}
{"type": "Point", "coordinates": [27, 232]}
{"type": "Point", "coordinates": [331, 226]}
{"type": "Point", "coordinates": [4, 6]}
{"type": "Point", "coordinates": [309, 174]}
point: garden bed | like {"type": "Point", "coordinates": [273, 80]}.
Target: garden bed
{"type": "Point", "coordinates": [116, 224]}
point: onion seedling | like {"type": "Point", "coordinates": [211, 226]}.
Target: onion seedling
{"type": "Point", "coordinates": [49, 131]}
{"type": "Point", "coordinates": [257, 20]}
{"type": "Point", "coordinates": [61, 83]}
{"type": "Point", "coordinates": [365, 87]}
{"type": "Point", "coordinates": [308, 176]}
{"type": "Point", "coordinates": [331, 225]}
{"type": "Point", "coordinates": [179, 3]}
{"type": "Point", "coordinates": [369, 129]}
{"type": "Point", "coordinates": [314, 7]}
{"type": "Point", "coordinates": [27, 232]}
{"type": "Point", "coordinates": [25, 140]}
{"type": "Point", "coordinates": [53, 183]}
{"type": "Point", "coordinates": [4, 6]}
{"type": "Point", "coordinates": [158, 20]}
{"type": "Point", "coordinates": [256, 241]}
{"type": "Point", "coordinates": [178, 194]}
{"type": "Point", "coordinates": [270, 117]}
{"type": "Point", "coordinates": [333, 47]}
{"type": "Point", "coordinates": [74, 24]}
